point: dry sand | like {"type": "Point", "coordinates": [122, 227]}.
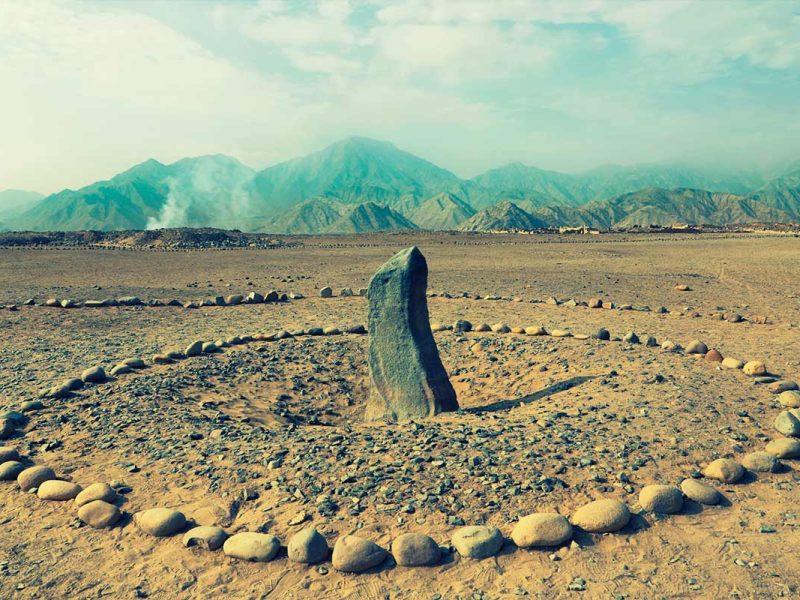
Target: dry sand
{"type": "Point", "coordinates": [255, 436]}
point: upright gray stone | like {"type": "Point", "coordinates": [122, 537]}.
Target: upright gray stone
{"type": "Point", "coordinates": [407, 378]}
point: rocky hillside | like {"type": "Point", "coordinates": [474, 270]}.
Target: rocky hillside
{"type": "Point", "coordinates": [442, 212]}
{"type": "Point", "coordinates": [396, 189]}
{"type": "Point", "coordinates": [503, 216]}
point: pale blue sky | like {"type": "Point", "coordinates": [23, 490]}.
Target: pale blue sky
{"type": "Point", "coordinates": [90, 88]}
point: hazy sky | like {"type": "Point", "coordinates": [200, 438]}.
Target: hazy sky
{"type": "Point", "coordinates": [89, 88]}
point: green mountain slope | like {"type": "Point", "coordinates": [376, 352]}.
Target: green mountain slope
{"type": "Point", "coordinates": [15, 202]}
{"type": "Point", "coordinates": [503, 216]}
{"type": "Point", "coordinates": [354, 170]}
{"type": "Point", "coordinates": [520, 181]}
{"type": "Point", "coordinates": [193, 192]}
{"type": "Point", "coordinates": [442, 212]}
{"type": "Point", "coordinates": [313, 216]}
{"type": "Point", "coordinates": [369, 217]}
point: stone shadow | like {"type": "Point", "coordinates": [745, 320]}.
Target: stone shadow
{"type": "Point", "coordinates": [561, 386]}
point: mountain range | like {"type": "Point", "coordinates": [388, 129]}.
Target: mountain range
{"type": "Point", "coordinates": [361, 185]}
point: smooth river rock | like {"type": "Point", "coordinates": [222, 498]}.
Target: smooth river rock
{"type": "Point", "coordinates": [33, 477]}
{"type": "Point", "coordinates": [700, 492]}
{"type": "Point", "coordinates": [160, 522]}
{"type": "Point", "coordinates": [725, 470]}
{"type": "Point", "coordinates": [207, 537]}
{"type": "Point", "coordinates": [415, 550]}
{"type": "Point", "coordinates": [55, 489]}
{"type": "Point", "coordinates": [602, 516]}
{"type": "Point", "coordinates": [352, 554]}
{"type": "Point", "coordinates": [407, 378]}
{"type": "Point", "coordinates": [252, 546]}
{"type": "Point", "coordinates": [662, 499]}
{"type": "Point", "coordinates": [308, 546]}
{"type": "Point", "coordinates": [96, 491]}
{"type": "Point", "coordinates": [99, 514]}
{"type": "Point", "coordinates": [541, 529]}
{"type": "Point", "coordinates": [781, 447]}
{"type": "Point", "coordinates": [477, 541]}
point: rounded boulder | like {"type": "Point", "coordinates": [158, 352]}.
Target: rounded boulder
{"type": "Point", "coordinates": [477, 541]}
{"type": "Point", "coordinates": [252, 546]}
{"type": "Point", "coordinates": [700, 492]}
{"type": "Point", "coordinates": [207, 537]}
{"type": "Point", "coordinates": [662, 499]}
{"type": "Point", "coordinates": [782, 448]}
{"type": "Point", "coordinates": [725, 470]}
{"type": "Point", "coordinates": [55, 489]}
{"type": "Point", "coordinates": [541, 529]}
{"type": "Point", "coordinates": [160, 522]}
{"type": "Point", "coordinates": [352, 554]}
{"type": "Point", "coordinates": [754, 368]}
{"type": "Point", "coordinates": [602, 516]}
{"type": "Point", "coordinates": [33, 477]}
{"type": "Point", "coordinates": [415, 550]}
{"type": "Point", "coordinates": [761, 462]}
{"type": "Point", "coordinates": [99, 514]}
{"type": "Point", "coordinates": [96, 491]}
{"type": "Point", "coordinates": [308, 546]}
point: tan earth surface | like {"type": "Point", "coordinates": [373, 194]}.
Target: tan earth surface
{"type": "Point", "coordinates": [268, 436]}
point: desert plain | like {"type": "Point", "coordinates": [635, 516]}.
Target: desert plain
{"type": "Point", "coordinates": [269, 435]}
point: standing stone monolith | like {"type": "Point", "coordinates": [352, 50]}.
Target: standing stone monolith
{"type": "Point", "coordinates": [407, 379]}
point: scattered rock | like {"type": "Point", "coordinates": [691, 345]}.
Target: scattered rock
{"type": "Point", "coordinates": [353, 554]}
{"type": "Point", "coordinates": [700, 492]}
{"type": "Point", "coordinates": [96, 491]}
{"type": "Point", "coordinates": [415, 550]}
{"type": "Point", "coordinates": [252, 546]}
{"type": "Point", "coordinates": [602, 516]}
{"type": "Point", "coordinates": [308, 547]}
{"type": "Point", "coordinates": [682, 287]}
{"type": "Point", "coordinates": [8, 453]}
{"type": "Point", "coordinates": [10, 470]}
{"type": "Point", "coordinates": [483, 327]}
{"type": "Point", "coordinates": [541, 529]}
{"type": "Point", "coordinates": [781, 447]}
{"type": "Point", "coordinates": [602, 334]}
{"type": "Point", "coordinates": [696, 347]}
{"type": "Point", "coordinates": [787, 424]}
{"type": "Point", "coordinates": [194, 349]}
{"type": "Point", "coordinates": [477, 541]}
{"type": "Point", "coordinates": [94, 375]}
{"type": "Point", "coordinates": [99, 514]}
{"type": "Point", "coordinates": [33, 477]}
{"type": "Point", "coordinates": [346, 292]}
{"type": "Point", "coordinates": [500, 328]}
{"type": "Point", "coordinates": [662, 499]}
{"type": "Point", "coordinates": [782, 386]}
{"type": "Point", "coordinates": [207, 537]}
{"type": "Point", "coordinates": [560, 333]}
{"type": "Point", "coordinates": [55, 489]}
{"type": "Point", "coordinates": [631, 338]}
{"type": "Point", "coordinates": [536, 330]}
{"type": "Point", "coordinates": [326, 292]}
{"type": "Point", "coordinates": [732, 363]}
{"type": "Point", "coordinates": [462, 326]}
{"type": "Point", "coordinates": [725, 470]}
{"type": "Point", "coordinates": [754, 367]}
{"type": "Point", "coordinates": [713, 355]}
{"type": "Point", "coordinates": [160, 522]}
{"type": "Point", "coordinates": [761, 462]}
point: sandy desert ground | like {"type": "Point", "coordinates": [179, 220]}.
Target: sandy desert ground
{"type": "Point", "coordinates": [268, 436]}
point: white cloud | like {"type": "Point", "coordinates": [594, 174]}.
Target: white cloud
{"type": "Point", "coordinates": [95, 87]}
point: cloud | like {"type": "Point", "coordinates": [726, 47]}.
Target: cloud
{"type": "Point", "coordinates": [96, 87]}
